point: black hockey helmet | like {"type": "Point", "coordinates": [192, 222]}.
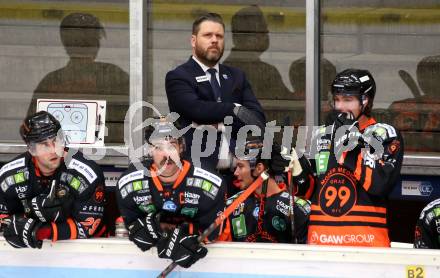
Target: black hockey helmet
{"type": "Point", "coordinates": [38, 127]}
{"type": "Point", "coordinates": [251, 152]}
{"type": "Point", "coordinates": [162, 129]}
{"type": "Point", "coordinates": [354, 82]}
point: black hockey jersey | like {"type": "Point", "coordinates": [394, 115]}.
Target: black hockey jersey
{"type": "Point", "coordinates": [81, 179]}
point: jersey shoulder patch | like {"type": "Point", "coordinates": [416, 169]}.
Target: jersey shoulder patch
{"type": "Point", "coordinates": [384, 131]}
{"type": "Point", "coordinates": [199, 172]}
{"type": "Point", "coordinates": [14, 164]}
{"type": "Point", "coordinates": [136, 175]}
{"type": "Point", "coordinates": [431, 207]}
{"type": "Point", "coordinates": [83, 169]}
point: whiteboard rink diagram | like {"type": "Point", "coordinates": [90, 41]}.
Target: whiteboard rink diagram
{"type": "Point", "coordinates": [81, 120]}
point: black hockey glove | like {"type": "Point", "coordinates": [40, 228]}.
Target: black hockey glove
{"type": "Point", "coordinates": [51, 209]}
{"type": "Point", "coordinates": [145, 232]}
{"type": "Point", "coordinates": [247, 117]}
{"type": "Point", "coordinates": [181, 246]}
{"type": "Point", "coordinates": [278, 163]}
{"type": "Point", "coordinates": [346, 134]}
{"type": "Point", "coordinates": [21, 232]}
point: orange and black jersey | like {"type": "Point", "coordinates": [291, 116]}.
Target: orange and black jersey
{"type": "Point", "coordinates": [197, 196]}
{"type": "Point", "coordinates": [243, 224]}
{"type": "Point", "coordinates": [427, 234]}
{"type": "Point", "coordinates": [349, 196]}
{"type": "Point", "coordinates": [82, 179]}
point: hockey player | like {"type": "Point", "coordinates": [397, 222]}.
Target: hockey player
{"type": "Point", "coordinates": [167, 202]}
{"type": "Point", "coordinates": [354, 164]}
{"type": "Point", "coordinates": [265, 216]}
{"type": "Point", "coordinates": [47, 195]}
{"type": "Point", "coordinates": [427, 233]}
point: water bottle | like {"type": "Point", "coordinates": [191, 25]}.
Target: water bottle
{"type": "Point", "coordinates": [120, 230]}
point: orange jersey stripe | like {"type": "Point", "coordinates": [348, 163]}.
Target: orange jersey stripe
{"type": "Point", "coordinates": [358, 171]}
{"type": "Point", "coordinates": [358, 208]}
{"type": "Point", "coordinates": [54, 232]}
{"type": "Point", "coordinates": [368, 174]}
{"type": "Point", "coordinates": [348, 218]}
{"type": "Point", "coordinates": [72, 226]}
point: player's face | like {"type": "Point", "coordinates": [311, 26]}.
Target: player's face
{"type": "Point", "coordinates": [348, 104]}
{"type": "Point", "coordinates": [166, 156]}
{"type": "Point", "coordinates": [243, 174]}
{"type": "Point", "coordinates": [48, 154]}
{"type": "Point", "coordinates": [208, 44]}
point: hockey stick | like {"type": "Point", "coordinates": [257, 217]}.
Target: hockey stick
{"type": "Point", "coordinates": [410, 82]}
{"type": "Point", "coordinates": [291, 205]}
{"type": "Point", "coordinates": [224, 215]}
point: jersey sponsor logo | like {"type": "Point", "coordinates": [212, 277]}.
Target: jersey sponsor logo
{"type": "Point", "coordinates": [12, 165]}
{"type": "Point", "coordinates": [198, 182]}
{"type": "Point", "coordinates": [84, 169]}
{"type": "Point", "coordinates": [124, 193]}
{"type": "Point", "coordinates": [207, 175]}
{"type": "Point", "coordinates": [189, 181]}
{"type": "Point", "coordinates": [10, 180]}
{"type": "Point", "coordinates": [190, 212]}
{"type": "Point", "coordinates": [278, 223]}
{"type": "Point", "coordinates": [19, 177]}
{"type": "Point", "coordinates": [282, 207]}
{"type": "Point", "coordinates": [21, 191]}
{"type": "Point", "coordinates": [322, 162]}
{"type": "Point", "coordinates": [142, 199]}
{"type": "Point", "coordinates": [239, 226]}
{"type": "Point", "coordinates": [137, 185]}
{"type": "Point", "coordinates": [238, 210]}
{"type": "Point", "coordinates": [4, 186]}
{"type": "Point", "coordinates": [256, 212]}
{"type": "Point", "coordinates": [189, 198]}
{"type": "Point", "coordinates": [323, 144]}
{"type": "Point", "coordinates": [428, 207]}
{"type": "Point", "coordinates": [75, 183]}
{"type": "Point", "coordinates": [285, 195]}
{"type": "Point", "coordinates": [137, 175]}
{"type": "Point", "coordinates": [338, 193]}
{"type": "Point", "coordinates": [349, 239]}
{"type": "Point", "coordinates": [303, 205]}
{"type": "Point", "coordinates": [206, 185]}
{"type": "Point", "coordinates": [169, 206]}
{"type": "Point", "coordinates": [147, 209]}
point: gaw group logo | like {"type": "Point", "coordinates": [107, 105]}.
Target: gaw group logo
{"type": "Point", "coordinates": [343, 239]}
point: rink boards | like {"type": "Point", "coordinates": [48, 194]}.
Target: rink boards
{"type": "Point", "coordinates": [111, 258]}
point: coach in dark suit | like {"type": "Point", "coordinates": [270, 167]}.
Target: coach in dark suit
{"type": "Point", "coordinates": [204, 92]}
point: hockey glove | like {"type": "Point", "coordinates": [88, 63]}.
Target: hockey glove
{"type": "Point", "coordinates": [49, 209]}
{"type": "Point", "coordinates": [279, 163]}
{"type": "Point", "coordinates": [346, 134]}
{"type": "Point", "coordinates": [247, 117]}
{"type": "Point", "coordinates": [145, 232]}
{"type": "Point", "coordinates": [181, 246]}
{"type": "Point", "coordinates": [21, 232]}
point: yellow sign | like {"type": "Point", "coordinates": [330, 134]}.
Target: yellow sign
{"type": "Point", "coordinates": [415, 271]}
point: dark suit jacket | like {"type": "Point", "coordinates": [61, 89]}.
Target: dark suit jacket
{"type": "Point", "coordinates": [194, 101]}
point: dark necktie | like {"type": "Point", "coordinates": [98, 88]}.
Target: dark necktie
{"type": "Point", "coordinates": [215, 86]}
